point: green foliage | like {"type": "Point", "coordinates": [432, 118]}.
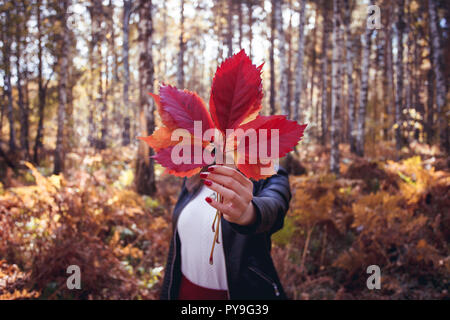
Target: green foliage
{"type": "Point", "coordinates": [284, 236]}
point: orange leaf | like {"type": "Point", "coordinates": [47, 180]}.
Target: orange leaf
{"type": "Point", "coordinates": [160, 139]}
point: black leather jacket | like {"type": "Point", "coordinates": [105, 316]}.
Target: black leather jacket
{"type": "Point", "coordinates": [250, 270]}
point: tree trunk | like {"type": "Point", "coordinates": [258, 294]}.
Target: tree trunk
{"type": "Point", "coordinates": [350, 89]}
{"type": "Point", "coordinates": [22, 107]}
{"type": "Point", "coordinates": [105, 114]}
{"type": "Point", "coordinates": [289, 63]}
{"type": "Point", "coordinates": [283, 88]}
{"type": "Point", "coordinates": [2, 111]}
{"type": "Point", "coordinates": [378, 64]}
{"type": "Point", "coordinates": [430, 109]}
{"type": "Point", "coordinates": [250, 27]}
{"type": "Point", "coordinates": [335, 94]}
{"type": "Point", "coordinates": [300, 56]}
{"type": "Point", "coordinates": [7, 79]}
{"type": "Point", "coordinates": [314, 109]}
{"type": "Point", "coordinates": [90, 91]}
{"type": "Point", "coordinates": [42, 90]}
{"type": "Point", "coordinates": [324, 100]}
{"type": "Point", "coordinates": [230, 28]}
{"type": "Point", "coordinates": [26, 89]}
{"type": "Point", "coordinates": [114, 69]}
{"type": "Point", "coordinates": [126, 71]}
{"type": "Point", "coordinates": [408, 67]}
{"type": "Point", "coordinates": [240, 22]}
{"type": "Point", "coordinates": [341, 71]}
{"type": "Point", "coordinates": [95, 90]}
{"type": "Point", "coordinates": [363, 92]}
{"type": "Point", "coordinates": [388, 82]}
{"type": "Point", "coordinates": [145, 175]}
{"type": "Point", "coordinates": [164, 40]}
{"type": "Point", "coordinates": [272, 58]}
{"type": "Point", "coordinates": [111, 77]}
{"type": "Point", "coordinates": [399, 89]}
{"type": "Point", "coordinates": [62, 87]}
{"type": "Point", "coordinates": [180, 72]}
{"type": "Point", "coordinates": [418, 78]}
{"type": "Point", "coordinates": [441, 86]}
{"type": "Point", "coordinates": [99, 104]}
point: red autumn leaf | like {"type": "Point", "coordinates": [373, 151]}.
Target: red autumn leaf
{"type": "Point", "coordinates": [180, 108]}
{"type": "Point", "coordinates": [236, 92]}
{"type": "Point", "coordinates": [289, 134]}
{"type": "Point", "coordinates": [235, 103]}
{"type": "Point", "coordinates": [254, 171]}
{"type": "Point", "coordinates": [256, 134]}
{"type": "Point", "coordinates": [166, 118]}
{"type": "Point", "coordinates": [160, 139]}
{"type": "Point", "coordinates": [174, 162]}
{"type": "Point", "coordinates": [187, 174]}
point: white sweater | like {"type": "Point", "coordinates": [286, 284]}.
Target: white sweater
{"type": "Point", "coordinates": [196, 235]}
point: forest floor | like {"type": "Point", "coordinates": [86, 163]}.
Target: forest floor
{"type": "Point", "coordinates": [394, 214]}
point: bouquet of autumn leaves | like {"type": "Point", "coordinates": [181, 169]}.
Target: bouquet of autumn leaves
{"type": "Point", "coordinates": [232, 132]}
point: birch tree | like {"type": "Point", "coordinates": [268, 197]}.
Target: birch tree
{"type": "Point", "coordinates": [335, 94]}
{"type": "Point", "coordinates": [441, 86]}
{"type": "Point", "coordinates": [230, 27]}
{"type": "Point", "coordinates": [42, 89]}
{"type": "Point", "coordinates": [349, 69]}
{"type": "Point", "coordinates": [363, 92]}
{"type": "Point", "coordinates": [250, 27]}
{"type": "Point", "coordinates": [127, 5]}
{"type": "Point", "coordinates": [324, 100]}
{"type": "Point", "coordinates": [289, 62]}
{"type": "Point", "coordinates": [273, 25]}
{"type": "Point", "coordinates": [399, 69]}
{"type": "Point", "coordinates": [430, 103]}
{"type": "Point", "coordinates": [6, 52]}
{"type": "Point", "coordinates": [145, 175]}
{"type": "Point", "coordinates": [181, 49]}
{"type": "Point", "coordinates": [300, 57]}
{"type": "Point", "coordinates": [21, 29]}
{"type": "Point", "coordinates": [314, 108]}
{"type": "Point", "coordinates": [389, 78]}
{"type": "Point", "coordinates": [62, 86]}
{"type": "Point", "coordinates": [283, 86]}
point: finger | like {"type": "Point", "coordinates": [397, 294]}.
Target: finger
{"type": "Point", "coordinates": [228, 194]}
{"type": "Point", "coordinates": [230, 183]}
{"type": "Point", "coordinates": [224, 208]}
{"type": "Point", "coordinates": [230, 172]}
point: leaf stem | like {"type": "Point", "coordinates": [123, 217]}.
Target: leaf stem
{"type": "Point", "coordinates": [216, 232]}
{"type": "Point", "coordinates": [214, 222]}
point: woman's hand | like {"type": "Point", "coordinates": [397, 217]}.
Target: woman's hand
{"type": "Point", "coordinates": [237, 193]}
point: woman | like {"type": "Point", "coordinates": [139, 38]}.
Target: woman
{"type": "Point", "coordinates": [242, 266]}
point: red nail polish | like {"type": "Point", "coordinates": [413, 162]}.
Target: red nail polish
{"type": "Point", "coordinates": [210, 169]}
{"type": "Point", "coordinates": [207, 182]}
{"type": "Point", "coordinates": [203, 175]}
{"type": "Point", "coordinates": [208, 199]}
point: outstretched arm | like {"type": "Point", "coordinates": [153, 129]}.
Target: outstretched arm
{"type": "Point", "coordinates": [248, 210]}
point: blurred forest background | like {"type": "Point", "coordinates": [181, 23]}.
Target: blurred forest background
{"type": "Point", "coordinates": [370, 180]}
